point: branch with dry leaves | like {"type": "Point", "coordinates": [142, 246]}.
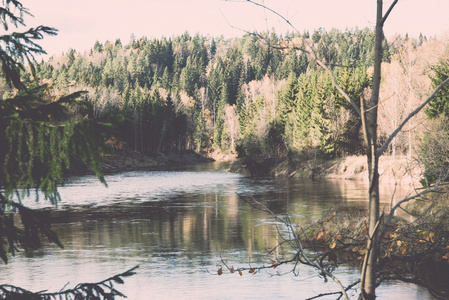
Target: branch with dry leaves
{"type": "Point", "coordinates": [301, 256]}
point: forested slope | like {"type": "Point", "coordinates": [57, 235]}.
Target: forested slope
{"type": "Point", "coordinates": [260, 96]}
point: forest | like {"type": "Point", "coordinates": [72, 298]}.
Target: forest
{"type": "Point", "coordinates": [259, 97]}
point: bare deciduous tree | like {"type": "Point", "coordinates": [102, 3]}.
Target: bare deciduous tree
{"type": "Point", "coordinates": [231, 123]}
{"type": "Point", "coordinates": [368, 112]}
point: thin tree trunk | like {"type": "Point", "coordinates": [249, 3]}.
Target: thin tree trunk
{"type": "Point", "coordinates": [369, 121]}
{"type": "Point", "coordinates": [162, 137]}
{"type": "Point", "coordinates": [136, 129]}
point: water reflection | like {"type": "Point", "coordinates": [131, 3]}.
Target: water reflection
{"type": "Point", "coordinates": [176, 225]}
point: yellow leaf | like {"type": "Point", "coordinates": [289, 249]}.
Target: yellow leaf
{"type": "Point", "coordinates": [333, 245]}
{"type": "Point", "coordinates": [431, 236]}
{"type": "Point", "coordinates": [220, 271]}
{"type": "Point", "coordinates": [399, 243]}
{"type": "Point", "coordinates": [320, 235]}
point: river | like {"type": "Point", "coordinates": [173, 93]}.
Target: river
{"type": "Point", "coordinates": [177, 225]}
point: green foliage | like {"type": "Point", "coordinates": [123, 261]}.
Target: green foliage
{"type": "Point", "coordinates": [214, 73]}
{"type": "Point", "coordinates": [103, 290]}
{"type": "Point", "coordinates": [433, 148]}
{"type": "Point", "coordinates": [434, 151]}
{"type": "Point", "coordinates": [316, 116]}
{"type": "Point", "coordinates": [274, 141]}
{"type": "Point", "coordinates": [439, 106]}
{"type": "Point", "coordinates": [20, 47]}
{"type": "Point", "coordinates": [250, 151]}
{"type": "Point", "coordinates": [259, 154]}
{"type": "Point", "coordinates": [41, 135]}
{"type": "Point", "coordinates": [40, 144]}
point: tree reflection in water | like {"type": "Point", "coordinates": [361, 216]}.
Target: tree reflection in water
{"type": "Point", "coordinates": [176, 225]}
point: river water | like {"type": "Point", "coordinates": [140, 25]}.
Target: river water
{"type": "Point", "coordinates": [178, 225]}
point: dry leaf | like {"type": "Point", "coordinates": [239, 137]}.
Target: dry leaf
{"type": "Point", "coordinates": [240, 272]}
{"type": "Point", "coordinates": [331, 217]}
{"type": "Point", "coordinates": [446, 256]}
{"type": "Point", "coordinates": [220, 271]}
{"type": "Point", "coordinates": [232, 270]}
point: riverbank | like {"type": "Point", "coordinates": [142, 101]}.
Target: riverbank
{"type": "Point", "coordinates": [398, 170]}
{"type": "Point", "coordinates": [130, 161]}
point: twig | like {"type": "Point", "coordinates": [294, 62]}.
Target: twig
{"type": "Point", "coordinates": [300, 255]}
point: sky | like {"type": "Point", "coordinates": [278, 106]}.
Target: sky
{"type": "Point", "coordinates": [82, 22]}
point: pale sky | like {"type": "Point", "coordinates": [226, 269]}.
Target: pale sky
{"type": "Point", "coordinates": [82, 22]}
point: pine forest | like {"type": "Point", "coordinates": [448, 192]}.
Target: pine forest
{"type": "Point", "coordinates": [260, 96]}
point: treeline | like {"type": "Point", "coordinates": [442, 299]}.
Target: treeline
{"type": "Point", "coordinates": [263, 97]}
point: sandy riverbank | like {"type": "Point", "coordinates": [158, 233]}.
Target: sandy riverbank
{"type": "Point", "coordinates": [398, 170]}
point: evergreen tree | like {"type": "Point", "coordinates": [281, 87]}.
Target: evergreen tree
{"type": "Point", "coordinates": [221, 69]}
{"type": "Point", "coordinates": [39, 138]}
{"type": "Point", "coordinates": [288, 96]}
{"type": "Point", "coordinates": [439, 106]}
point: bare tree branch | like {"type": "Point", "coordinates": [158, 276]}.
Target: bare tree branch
{"type": "Point", "coordinates": [412, 114]}
{"type": "Point", "coordinates": [337, 85]}
{"type": "Point", "coordinates": [385, 17]}
{"type": "Point", "coordinates": [311, 52]}
{"type": "Point", "coordinates": [272, 11]}
{"type": "Point", "coordinates": [426, 191]}
{"type": "Point", "coordinates": [301, 252]}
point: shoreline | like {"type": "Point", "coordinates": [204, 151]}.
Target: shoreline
{"type": "Point", "coordinates": [131, 161]}
{"type": "Point", "coordinates": [399, 170]}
